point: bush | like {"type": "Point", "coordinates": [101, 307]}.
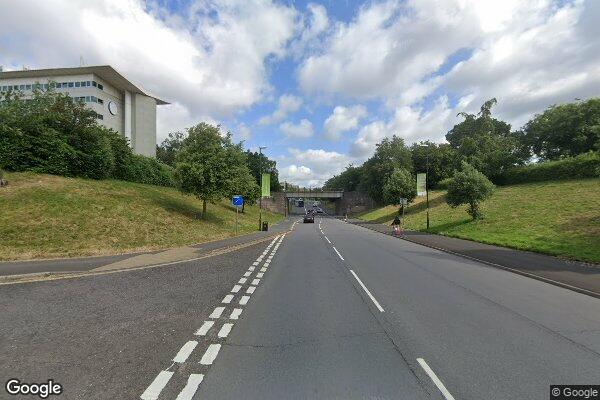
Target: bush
{"type": "Point", "coordinates": [471, 187]}
{"type": "Point", "coordinates": [148, 170]}
{"type": "Point", "coordinates": [443, 184]}
{"type": "Point", "coordinates": [585, 165]}
{"type": "Point", "coordinates": [400, 184]}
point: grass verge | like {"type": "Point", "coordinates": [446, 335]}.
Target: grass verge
{"type": "Point", "coordinates": [560, 218]}
{"type": "Point", "coordinates": [47, 216]}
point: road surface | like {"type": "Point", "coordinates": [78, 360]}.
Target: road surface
{"type": "Point", "coordinates": [328, 310]}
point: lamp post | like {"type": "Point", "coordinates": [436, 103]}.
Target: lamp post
{"type": "Point", "coordinates": [426, 179]}
{"type": "Point", "coordinates": [260, 149]}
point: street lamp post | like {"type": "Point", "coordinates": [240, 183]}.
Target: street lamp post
{"type": "Point", "coordinates": [427, 183]}
{"type": "Point", "coordinates": [260, 149]}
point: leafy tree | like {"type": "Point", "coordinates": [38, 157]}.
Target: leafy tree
{"type": "Point", "coordinates": [347, 180]}
{"type": "Point", "coordinates": [471, 187]}
{"type": "Point", "coordinates": [391, 153]}
{"type": "Point", "coordinates": [167, 151]}
{"type": "Point", "coordinates": [442, 160]}
{"type": "Point", "coordinates": [202, 167]}
{"type": "Point", "coordinates": [565, 130]}
{"type": "Point", "coordinates": [254, 160]}
{"type": "Point", "coordinates": [241, 181]}
{"type": "Point", "coordinates": [400, 184]}
{"type": "Point", "coordinates": [487, 143]}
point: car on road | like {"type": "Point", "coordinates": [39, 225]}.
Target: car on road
{"type": "Point", "coordinates": [319, 211]}
{"type": "Point", "coordinates": [309, 218]}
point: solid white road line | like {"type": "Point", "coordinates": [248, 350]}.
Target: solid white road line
{"type": "Point", "coordinates": [369, 293]}
{"type": "Point", "coordinates": [255, 282]}
{"type": "Point", "coordinates": [157, 385]}
{"type": "Point", "coordinates": [236, 289]}
{"type": "Point", "coordinates": [251, 289]}
{"type": "Point", "coordinates": [210, 354]}
{"type": "Point", "coordinates": [244, 300]}
{"type": "Point", "coordinates": [328, 241]}
{"type": "Point", "coordinates": [435, 379]}
{"type": "Point", "coordinates": [225, 329]}
{"type": "Point", "coordinates": [260, 274]}
{"type": "Point", "coordinates": [242, 281]}
{"type": "Point", "coordinates": [227, 299]}
{"type": "Point", "coordinates": [338, 253]}
{"type": "Point", "coordinates": [217, 312]}
{"type": "Point", "coordinates": [204, 328]}
{"type": "Point", "coordinates": [188, 392]}
{"type": "Point", "coordinates": [235, 314]}
{"type": "Point", "coordinates": [185, 351]}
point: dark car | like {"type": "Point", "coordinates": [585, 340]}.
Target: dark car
{"type": "Point", "coordinates": [309, 218]}
{"type": "Point", "coordinates": [319, 211]}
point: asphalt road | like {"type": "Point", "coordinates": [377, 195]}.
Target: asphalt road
{"type": "Point", "coordinates": [330, 310]}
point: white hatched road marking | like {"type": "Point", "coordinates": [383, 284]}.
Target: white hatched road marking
{"type": "Point", "coordinates": [236, 289]}
{"type": "Point", "coordinates": [369, 293]}
{"type": "Point", "coordinates": [255, 263]}
{"type": "Point", "coordinates": [210, 354]}
{"type": "Point", "coordinates": [251, 268]}
{"type": "Point", "coordinates": [338, 253]}
{"type": "Point", "coordinates": [185, 351]}
{"type": "Point", "coordinates": [204, 328]}
{"type": "Point", "coordinates": [157, 385]}
{"type": "Point", "coordinates": [187, 393]}
{"type": "Point", "coordinates": [227, 299]}
{"type": "Point", "coordinates": [225, 329]}
{"type": "Point", "coordinates": [244, 300]}
{"type": "Point", "coordinates": [435, 379]}
{"type": "Point", "coordinates": [242, 281]}
{"type": "Point", "coordinates": [255, 282]}
{"type": "Point", "coordinates": [251, 289]}
{"type": "Point", "coordinates": [247, 274]}
{"type": "Point", "coordinates": [217, 312]}
{"type": "Point", "coordinates": [260, 274]}
{"type": "Point", "coordinates": [235, 314]}
{"type": "Point", "coordinates": [263, 269]}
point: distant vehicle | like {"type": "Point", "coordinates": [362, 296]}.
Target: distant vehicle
{"type": "Point", "coordinates": [309, 218]}
{"type": "Point", "coordinates": [315, 205]}
{"type": "Point", "coordinates": [319, 211]}
{"type": "Point", "coordinates": [300, 203]}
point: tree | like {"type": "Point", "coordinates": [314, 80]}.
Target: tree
{"type": "Point", "coordinates": [442, 160]}
{"type": "Point", "coordinates": [241, 181]}
{"type": "Point", "coordinates": [565, 130]}
{"type": "Point", "coordinates": [254, 161]}
{"type": "Point", "coordinates": [487, 143]}
{"type": "Point", "coordinates": [202, 167]}
{"type": "Point", "coordinates": [469, 186]}
{"type": "Point", "coordinates": [167, 151]}
{"type": "Point", "coordinates": [391, 153]}
{"type": "Point", "coordinates": [400, 184]}
{"type": "Point", "coordinates": [347, 180]}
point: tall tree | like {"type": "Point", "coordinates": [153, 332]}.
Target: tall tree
{"type": "Point", "coordinates": [256, 161]}
{"type": "Point", "coordinates": [348, 180]}
{"type": "Point", "coordinates": [441, 158]}
{"type": "Point", "coordinates": [565, 130]}
{"type": "Point", "coordinates": [400, 184]}
{"type": "Point", "coordinates": [167, 151]}
{"type": "Point", "coordinates": [471, 187]}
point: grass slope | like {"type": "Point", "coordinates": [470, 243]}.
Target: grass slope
{"type": "Point", "coordinates": [45, 216]}
{"type": "Point", "coordinates": [560, 218]}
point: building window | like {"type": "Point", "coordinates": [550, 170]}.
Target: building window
{"type": "Point", "coordinates": [100, 101]}
{"type": "Point", "coordinates": [100, 87]}
{"type": "Point", "coordinates": [77, 84]}
{"type": "Point", "coordinates": [94, 84]}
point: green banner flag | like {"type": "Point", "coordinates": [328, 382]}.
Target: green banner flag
{"type": "Point", "coordinates": [421, 182]}
{"type": "Point", "coordinates": [266, 185]}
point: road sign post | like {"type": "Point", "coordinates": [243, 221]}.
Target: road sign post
{"type": "Point", "coordinates": [237, 201]}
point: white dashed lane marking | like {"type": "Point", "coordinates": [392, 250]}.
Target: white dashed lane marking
{"type": "Point", "coordinates": [210, 354]}
{"type": "Point", "coordinates": [185, 351]}
{"type": "Point", "coordinates": [157, 386]}
{"type": "Point", "coordinates": [217, 312]}
{"type": "Point", "coordinates": [263, 269]}
{"type": "Point", "coordinates": [204, 328]}
{"type": "Point", "coordinates": [242, 281]}
{"type": "Point", "coordinates": [260, 274]}
{"type": "Point", "coordinates": [247, 274]}
{"type": "Point", "coordinates": [368, 293]}
{"type": "Point", "coordinates": [435, 379]}
{"type": "Point", "coordinates": [250, 290]}
{"type": "Point", "coordinates": [225, 329]}
{"type": "Point", "coordinates": [187, 393]}
{"type": "Point", "coordinates": [227, 299]}
{"type": "Point", "coordinates": [235, 314]}
{"type": "Point", "coordinates": [255, 282]}
{"type": "Point", "coordinates": [244, 300]}
{"type": "Point", "coordinates": [236, 289]}
{"type": "Point", "coordinates": [338, 253]}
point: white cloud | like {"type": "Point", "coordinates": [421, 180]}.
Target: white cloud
{"type": "Point", "coordinates": [313, 167]}
{"type": "Point", "coordinates": [343, 119]}
{"type": "Point", "coordinates": [302, 130]}
{"type": "Point", "coordinates": [242, 133]}
{"type": "Point", "coordinates": [212, 62]}
{"type": "Point", "coordinates": [286, 105]}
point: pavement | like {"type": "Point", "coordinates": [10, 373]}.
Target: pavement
{"type": "Point", "coordinates": [327, 310]}
{"type": "Point", "coordinates": [575, 275]}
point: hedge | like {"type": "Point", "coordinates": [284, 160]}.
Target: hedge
{"type": "Point", "coordinates": [585, 165]}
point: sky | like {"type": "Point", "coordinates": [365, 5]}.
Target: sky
{"type": "Point", "coordinates": [320, 83]}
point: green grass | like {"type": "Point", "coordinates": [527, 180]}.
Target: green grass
{"type": "Point", "coordinates": [47, 216]}
{"type": "Point", "coordinates": [560, 218]}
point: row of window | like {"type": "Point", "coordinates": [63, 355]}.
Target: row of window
{"type": "Point", "coordinates": [88, 99]}
{"type": "Point", "coordinates": [57, 85]}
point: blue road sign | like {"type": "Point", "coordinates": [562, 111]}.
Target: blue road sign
{"type": "Point", "coordinates": [237, 201]}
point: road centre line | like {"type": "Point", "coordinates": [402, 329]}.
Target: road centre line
{"type": "Point", "coordinates": [235, 314]}
{"type": "Point", "coordinates": [338, 253]}
{"type": "Point", "coordinates": [157, 385]}
{"type": "Point", "coordinates": [260, 274]}
{"type": "Point", "coordinates": [373, 299]}
{"type": "Point", "coordinates": [242, 281]}
{"type": "Point", "coordinates": [211, 353]}
{"type": "Point", "coordinates": [252, 268]}
{"type": "Point", "coordinates": [185, 351]}
{"type": "Point", "coordinates": [236, 289]}
{"type": "Point", "coordinates": [204, 328]}
{"type": "Point", "coordinates": [217, 312]}
{"type": "Point", "coordinates": [225, 330]}
{"type": "Point", "coordinates": [247, 274]}
{"type": "Point", "coordinates": [255, 282]}
{"type": "Point", "coordinates": [263, 269]}
{"type": "Point", "coordinates": [250, 289]}
{"type": "Point", "coordinates": [244, 300]}
{"type": "Point", "coordinates": [435, 379]}
{"type": "Point", "coordinates": [328, 241]}
{"type": "Point", "coordinates": [227, 299]}
{"type": "Point", "coordinates": [188, 392]}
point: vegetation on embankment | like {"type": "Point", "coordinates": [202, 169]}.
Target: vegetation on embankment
{"type": "Point", "coordinates": [47, 216]}
{"type": "Point", "coordinates": [560, 218]}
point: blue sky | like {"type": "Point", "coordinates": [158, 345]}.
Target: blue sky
{"type": "Point", "coordinates": [320, 83]}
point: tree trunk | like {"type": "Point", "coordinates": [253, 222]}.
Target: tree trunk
{"type": "Point", "coordinates": [203, 209]}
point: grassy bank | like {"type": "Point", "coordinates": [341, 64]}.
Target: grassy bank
{"type": "Point", "coordinates": [558, 218]}
{"type": "Point", "coordinates": [45, 216]}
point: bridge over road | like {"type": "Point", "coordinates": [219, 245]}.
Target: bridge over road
{"type": "Point", "coordinates": [343, 201]}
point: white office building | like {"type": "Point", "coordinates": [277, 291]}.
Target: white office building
{"type": "Point", "coordinates": [118, 103]}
